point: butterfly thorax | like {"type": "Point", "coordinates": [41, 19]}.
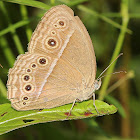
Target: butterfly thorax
{"type": "Point", "coordinates": [86, 92]}
{"type": "Point", "coordinates": [97, 84]}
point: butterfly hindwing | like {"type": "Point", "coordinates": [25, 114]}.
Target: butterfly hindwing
{"type": "Point", "coordinates": [60, 64]}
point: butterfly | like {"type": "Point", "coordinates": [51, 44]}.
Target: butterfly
{"type": "Point", "coordinates": [59, 67]}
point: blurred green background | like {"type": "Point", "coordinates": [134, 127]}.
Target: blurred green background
{"type": "Point", "coordinates": [114, 27]}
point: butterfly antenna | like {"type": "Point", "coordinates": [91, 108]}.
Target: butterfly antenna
{"type": "Point", "coordinates": [99, 77]}
{"type": "Point", "coordinates": [111, 74]}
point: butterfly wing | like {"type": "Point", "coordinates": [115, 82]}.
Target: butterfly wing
{"type": "Point", "coordinates": [59, 67]}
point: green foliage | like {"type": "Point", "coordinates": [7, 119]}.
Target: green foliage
{"type": "Point", "coordinates": [107, 22]}
{"type": "Point", "coordinates": [11, 119]}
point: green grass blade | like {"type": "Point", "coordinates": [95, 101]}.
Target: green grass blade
{"type": "Point", "coordinates": [3, 90]}
{"type": "Point", "coordinates": [113, 101]}
{"type": "Point", "coordinates": [108, 20]}
{"type": "Point", "coordinates": [119, 44]}
{"type": "Point", "coordinates": [32, 3]}
{"type": "Point", "coordinates": [15, 26]}
{"type": "Point", "coordinates": [7, 51]}
{"type": "Point", "coordinates": [14, 35]}
{"type": "Point", "coordinates": [52, 2]}
{"type": "Point", "coordinates": [72, 2]}
{"type": "Point", "coordinates": [131, 15]}
{"type": "Point", "coordinates": [11, 119]}
{"type": "Point", "coordinates": [24, 14]}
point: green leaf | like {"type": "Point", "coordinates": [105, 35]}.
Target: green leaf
{"type": "Point", "coordinates": [11, 119]}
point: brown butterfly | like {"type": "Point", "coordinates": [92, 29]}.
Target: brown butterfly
{"type": "Point", "coordinates": [59, 67]}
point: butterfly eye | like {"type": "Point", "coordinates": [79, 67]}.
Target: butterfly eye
{"type": "Point", "coordinates": [42, 61]}
{"type": "Point", "coordinates": [28, 70]}
{"type": "Point", "coordinates": [24, 103]}
{"type": "Point", "coordinates": [28, 88]}
{"type": "Point", "coordinates": [26, 78]}
{"type": "Point", "coordinates": [33, 66]}
{"type": "Point", "coordinates": [51, 43]}
{"type": "Point", "coordinates": [55, 25]}
{"type": "Point", "coordinates": [25, 98]}
{"type": "Point", "coordinates": [53, 33]}
{"type": "Point", "coordinates": [61, 23]}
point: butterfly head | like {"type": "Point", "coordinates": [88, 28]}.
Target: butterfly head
{"type": "Point", "coordinates": [97, 84]}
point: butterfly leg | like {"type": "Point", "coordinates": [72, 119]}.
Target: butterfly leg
{"type": "Point", "coordinates": [94, 103]}
{"type": "Point", "coordinates": [71, 108]}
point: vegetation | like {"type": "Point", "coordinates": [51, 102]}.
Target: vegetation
{"type": "Point", "coordinates": [114, 28]}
